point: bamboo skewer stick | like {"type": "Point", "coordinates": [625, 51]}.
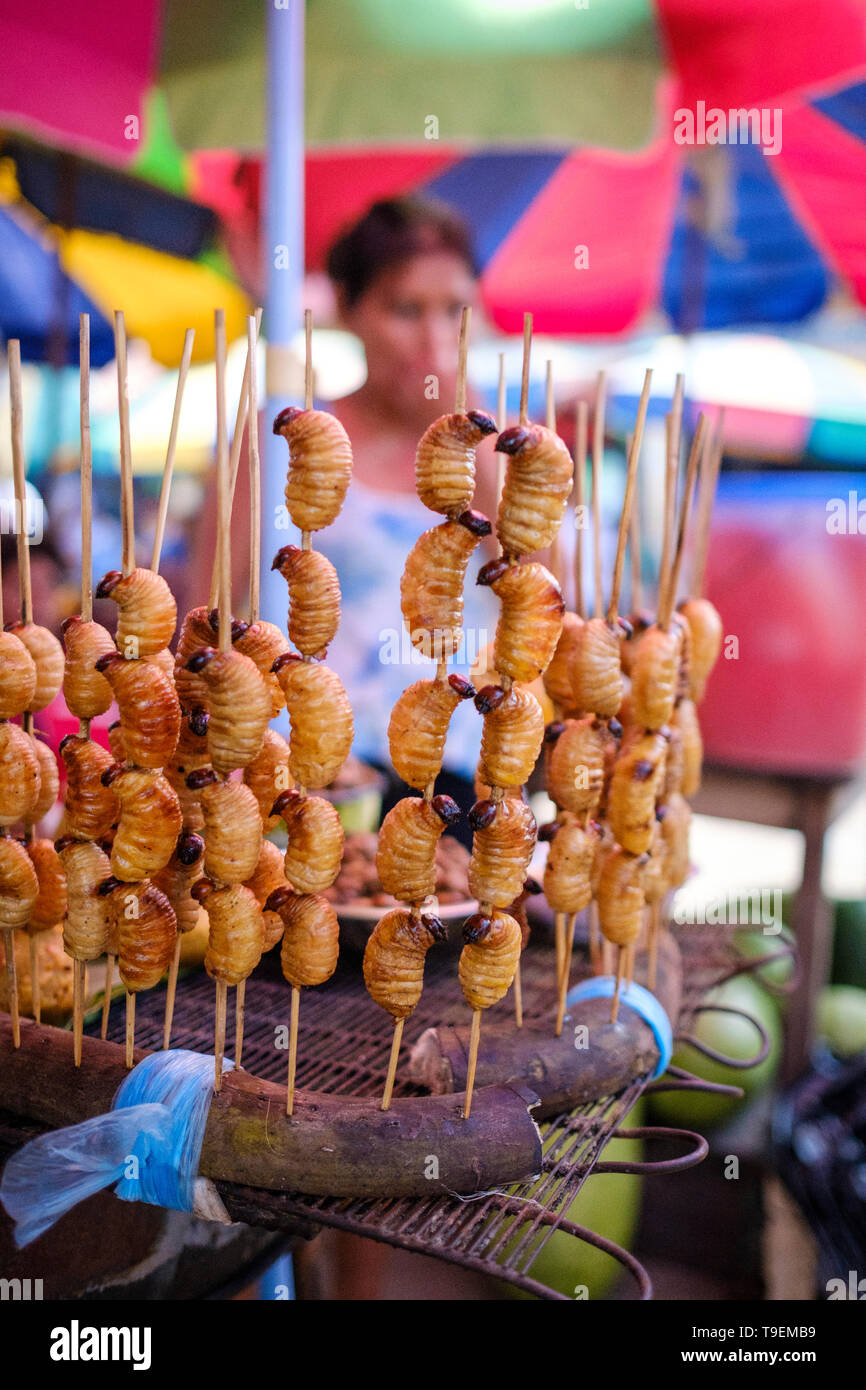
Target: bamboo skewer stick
{"type": "Point", "coordinates": [614, 1003]}
{"type": "Point", "coordinates": [671, 581]}
{"type": "Point", "coordinates": [130, 1028]}
{"type": "Point", "coordinates": [126, 493]}
{"type": "Point", "coordinates": [392, 1061]}
{"type": "Point", "coordinates": [518, 998]}
{"type": "Point", "coordinates": [8, 932]}
{"type": "Point", "coordinates": [293, 1049]}
{"type": "Point", "coordinates": [524, 375]}
{"type": "Point", "coordinates": [579, 504]}
{"type": "Point", "coordinates": [474, 1040]}
{"type": "Point", "coordinates": [225, 602]}
{"type": "Point", "coordinates": [501, 422]}
{"type": "Point", "coordinates": [168, 470]}
{"type": "Point", "coordinates": [308, 359]}
{"type": "Point", "coordinates": [170, 994]}
{"type": "Point", "coordinates": [706, 499]}
{"type": "Point", "coordinates": [550, 422]}
{"type": "Point", "coordinates": [219, 1034]}
{"type": "Point", "coordinates": [559, 921]}
{"type": "Point", "coordinates": [235, 455]}
{"type": "Point", "coordinates": [255, 476]}
{"type": "Point", "coordinates": [628, 500]}
{"type": "Point", "coordinates": [240, 1003]}
{"type": "Point", "coordinates": [597, 456]}
{"type": "Point", "coordinates": [634, 544]}
{"type": "Point", "coordinates": [33, 942]}
{"type": "Point", "coordinates": [595, 954]}
{"type": "Point", "coordinates": [86, 470]}
{"type": "Point", "coordinates": [106, 996]}
{"type": "Point", "coordinates": [565, 974]}
{"type": "Point", "coordinates": [462, 355]}
{"type": "Point", "coordinates": [654, 925]}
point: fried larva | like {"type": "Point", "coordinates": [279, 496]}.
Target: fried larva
{"type": "Point", "coordinates": [655, 879]}
{"type": "Point", "coordinates": [47, 654]}
{"type": "Point", "coordinates": [87, 928]}
{"type": "Point", "coordinates": [571, 862]}
{"type": "Point", "coordinates": [596, 674]}
{"type": "Point", "coordinates": [50, 905]}
{"type": "Point", "coordinates": [86, 692]}
{"type": "Point", "coordinates": [196, 631]}
{"type": "Point", "coordinates": [394, 959]}
{"type": "Point", "coordinates": [654, 677]}
{"type": "Point", "coordinates": [164, 659]}
{"type": "Point", "coordinates": [575, 762]}
{"type": "Point", "coordinates": [19, 886]}
{"type": "Point", "coordinates": [558, 676]}
{"type": "Point", "coordinates": [320, 466]}
{"type": "Point", "coordinates": [190, 754]}
{"type": "Point", "coordinates": [19, 774]}
{"type": "Point", "coordinates": [91, 807]}
{"type": "Point", "coordinates": [268, 775]}
{"type": "Point", "coordinates": [321, 721]}
{"type": "Point", "coordinates": [262, 642]}
{"type": "Point", "coordinates": [145, 931]}
{"type": "Point", "coordinates": [419, 725]}
{"type": "Point", "coordinates": [17, 676]}
{"type": "Point", "coordinates": [316, 838]}
{"type": "Point", "coordinates": [311, 937]}
{"type": "Point", "coordinates": [147, 612]}
{"type": "Point", "coordinates": [638, 778]}
{"type": "Point", "coordinates": [150, 822]}
{"type": "Point", "coordinates": [676, 817]}
{"type": "Point", "coordinates": [705, 627]}
{"type": "Point", "coordinates": [431, 585]}
{"type": "Point", "coordinates": [674, 762]}
{"type": "Point", "coordinates": [314, 598]}
{"type": "Point", "coordinates": [621, 896]}
{"type": "Point", "coordinates": [489, 958]}
{"type": "Point", "coordinates": [148, 707]}
{"type": "Point", "coordinates": [686, 721]}
{"type": "Point", "coordinates": [530, 623]}
{"type": "Point", "coordinates": [240, 706]}
{"type": "Point", "coordinates": [537, 486]}
{"type": "Point", "coordinates": [502, 845]}
{"type": "Point", "coordinates": [232, 827]}
{"type": "Point", "coordinates": [512, 735]}
{"type": "Point", "coordinates": [445, 461]}
{"type": "Point", "coordinates": [268, 877]}
{"type": "Point", "coordinates": [406, 854]}
{"type": "Point", "coordinates": [183, 869]}
{"type": "Point", "coordinates": [49, 783]}
{"type": "Point", "coordinates": [237, 931]}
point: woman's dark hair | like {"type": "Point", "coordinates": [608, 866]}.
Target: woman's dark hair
{"type": "Point", "coordinates": [391, 231]}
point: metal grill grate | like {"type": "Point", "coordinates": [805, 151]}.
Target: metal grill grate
{"type": "Point", "coordinates": [344, 1044]}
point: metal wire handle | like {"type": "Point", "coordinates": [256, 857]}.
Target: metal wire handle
{"type": "Point", "coordinates": [722, 1057]}
{"type": "Point", "coordinates": [645, 1167]}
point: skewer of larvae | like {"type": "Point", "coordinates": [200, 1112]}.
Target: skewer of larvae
{"type": "Point", "coordinates": [175, 880]}
{"type": "Point", "coordinates": [621, 904]}
{"type": "Point", "coordinates": [87, 926]}
{"type": "Point", "coordinates": [143, 930]}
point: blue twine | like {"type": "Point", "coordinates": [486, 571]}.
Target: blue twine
{"type": "Point", "coordinates": [149, 1144]}
{"type": "Point", "coordinates": [643, 1003]}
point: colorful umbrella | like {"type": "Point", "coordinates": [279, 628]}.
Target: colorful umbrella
{"type": "Point", "coordinates": [783, 400]}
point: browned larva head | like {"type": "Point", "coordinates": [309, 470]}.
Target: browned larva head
{"type": "Point", "coordinates": [483, 813]}
{"type": "Point", "coordinates": [108, 885]}
{"type": "Point", "coordinates": [446, 809]}
{"type": "Point", "coordinates": [13, 625]}
{"type": "Point", "coordinates": [199, 659]}
{"type": "Point", "coordinates": [111, 774]}
{"type": "Point", "coordinates": [615, 727]}
{"type": "Point", "coordinates": [482, 421]}
{"type": "Point", "coordinates": [286, 417]}
{"type": "Point", "coordinates": [63, 742]}
{"type": "Point", "coordinates": [488, 698]}
{"type": "Point", "coordinates": [66, 841]}
{"type": "Point", "coordinates": [512, 440]}
{"type": "Point", "coordinates": [493, 570]}
{"type": "Point", "coordinates": [109, 659]}
{"type": "Point", "coordinates": [554, 730]}
{"type": "Point", "coordinates": [625, 626]}
{"type": "Point", "coordinates": [462, 687]}
{"type": "Point", "coordinates": [198, 721]}
{"type": "Point", "coordinates": [284, 555]}
{"type": "Point", "coordinates": [201, 889]}
{"type": "Point", "coordinates": [475, 522]}
{"type": "Point", "coordinates": [643, 770]}
{"type": "Point", "coordinates": [661, 812]}
{"type": "Point", "coordinates": [434, 926]}
{"type": "Point", "coordinates": [532, 888]}
{"type": "Point", "coordinates": [279, 898]}
{"type": "Point", "coordinates": [201, 777]}
{"type": "Point", "coordinates": [238, 626]}
{"type": "Point", "coordinates": [476, 927]}
{"type": "Point", "coordinates": [189, 848]}
{"type": "Point", "coordinates": [67, 622]}
{"type": "Point", "coordinates": [548, 831]}
{"type": "Point", "coordinates": [107, 584]}
{"type": "Point", "coordinates": [284, 801]}
{"type": "Point", "coordinates": [283, 660]}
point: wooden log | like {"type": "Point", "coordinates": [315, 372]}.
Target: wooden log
{"type": "Point", "coordinates": [333, 1145]}
{"type": "Point", "coordinates": [560, 1071]}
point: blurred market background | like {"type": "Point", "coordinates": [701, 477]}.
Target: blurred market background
{"type": "Point", "coordinates": [143, 166]}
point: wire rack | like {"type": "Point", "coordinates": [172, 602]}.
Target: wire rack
{"type": "Point", "coordinates": [344, 1046]}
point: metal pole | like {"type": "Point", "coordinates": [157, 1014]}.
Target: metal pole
{"type": "Point", "coordinates": [284, 249]}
